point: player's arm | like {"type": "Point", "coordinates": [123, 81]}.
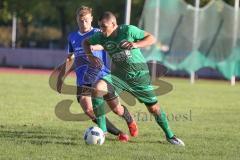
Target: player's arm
{"type": "Point", "coordinates": [88, 51]}
{"type": "Point", "coordinates": [146, 41]}
{"type": "Point", "coordinates": [64, 69]}
{"type": "Point", "coordinates": [141, 38]}
{"type": "Point", "coordinates": [96, 47]}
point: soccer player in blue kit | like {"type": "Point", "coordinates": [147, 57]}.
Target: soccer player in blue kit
{"type": "Point", "coordinates": [87, 75]}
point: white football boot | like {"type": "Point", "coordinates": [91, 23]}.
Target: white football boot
{"type": "Point", "coordinates": [175, 141]}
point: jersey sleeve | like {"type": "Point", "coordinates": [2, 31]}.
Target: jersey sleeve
{"type": "Point", "coordinates": [135, 32]}
{"type": "Point", "coordinates": [69, 47]}
{"type": "Point", "coordinates": [94, 39]}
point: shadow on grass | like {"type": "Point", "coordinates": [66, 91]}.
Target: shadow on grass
{"type": "Point", "coordinates": [47, 136]}
{"type": "Point", "coordinates": [147, 142]}
{"type": "Point", "coordinates": [37, 137]}
{"type": "Point", "coordinates": [138, 140]}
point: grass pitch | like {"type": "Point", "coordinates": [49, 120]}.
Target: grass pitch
{"type": "Point", "coordinates": [204, 115]}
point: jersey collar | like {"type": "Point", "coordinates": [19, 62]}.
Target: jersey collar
{"type": "Point", "coordinates": [82, 34]}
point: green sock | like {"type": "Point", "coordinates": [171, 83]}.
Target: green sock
{"type": "Point", "coordinates": [163, 123]}
{"type": "Point", "coordinates": [98, 107]}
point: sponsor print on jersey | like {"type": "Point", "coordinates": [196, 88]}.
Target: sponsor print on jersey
{"type": "Point", "coordinates": [79, 49]}
{"type": "Point", "coordinates": [120, 54]}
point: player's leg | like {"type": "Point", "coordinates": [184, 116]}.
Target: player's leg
{"type": "Point", "coordinates": [104, 89]}
{"type": "Point", "coordinates": [146, 95]}
{"type": "Point", "coordinates": [85, 100]}
{"type": "Point", "coordinates": [85, 103]}
{"type": "Point", "coordinates": [99, 111]}
{"type": "Point", "coordinates": [161, 119]}
{"type": "Point", "coordinates": [122, 111]}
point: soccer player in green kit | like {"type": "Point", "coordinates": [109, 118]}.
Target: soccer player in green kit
{"type": "Point", "coordinates": [130, 71]}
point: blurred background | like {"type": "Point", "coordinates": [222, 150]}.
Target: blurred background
{"type": "Point", "coordinates": [203, 35]}
{"type": "Point", "coordinates": [45, 24]}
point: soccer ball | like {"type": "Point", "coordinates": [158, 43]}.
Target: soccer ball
{"type": "Point", "coordinates": [94, 135]}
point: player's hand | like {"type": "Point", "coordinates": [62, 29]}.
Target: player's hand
{"type": "Point", "coordinates": [96, 62]}
{"type": "Point", "coordinates": [128, 45]}
{"type": "Point", "coordinates": [96, 47]}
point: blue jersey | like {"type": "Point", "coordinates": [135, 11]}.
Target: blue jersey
{"type": "Point", "coordinates": [84, 72]}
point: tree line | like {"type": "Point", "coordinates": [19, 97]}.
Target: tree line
{"type": "Point", "coordinates": [51, 20]}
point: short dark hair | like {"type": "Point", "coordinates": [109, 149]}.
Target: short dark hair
{"type": "Point", "coordinates": [108, 16]}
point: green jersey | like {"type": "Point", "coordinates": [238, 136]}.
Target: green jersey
{"type": "Point", "coordinates": [129, 65]}
{"type": "Point", "coordinates": [129, 69]}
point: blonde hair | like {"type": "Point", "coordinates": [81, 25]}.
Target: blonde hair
{"type": "Point", "coordinates": [83, 10]}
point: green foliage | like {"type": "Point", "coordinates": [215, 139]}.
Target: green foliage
{"type": "Point", "coordinates": [59, 14]}
{"type": "Point", "coordinates": [202, 2]}
{"type": "Point", "coordinates": [205, 2]}
{"type": "Point", "coordinates": [231, 2]}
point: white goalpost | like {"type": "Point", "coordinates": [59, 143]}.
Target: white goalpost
{"type": "Point", "coordinates": [128, 11]}
{"type": "Point", "coordinates": [195, 35]}
{"type": "Point", "coordinates": [235, 31]}
{"type": "Point", "coordinates": [14, 29]}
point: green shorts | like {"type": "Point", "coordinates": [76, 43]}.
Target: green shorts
{"type": "Point", "coordinates": [143, 91]}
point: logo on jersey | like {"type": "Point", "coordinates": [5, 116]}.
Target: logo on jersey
{"type": "Point", "coordinates": [110, 46]}
{"type": "Point", "coordinates": [113, 46]}
{"type": "Point", "coordinates": [119, 53]}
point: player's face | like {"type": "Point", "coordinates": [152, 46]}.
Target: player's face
{"type": "Point", "coordinates": [85, 23]}
{"type": "Point", "coordinates": [107, 27]}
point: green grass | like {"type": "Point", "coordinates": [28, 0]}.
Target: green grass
{"type": "Point", "coordinates": [29, 128]}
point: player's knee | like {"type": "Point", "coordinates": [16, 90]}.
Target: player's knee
{"type": "Point", "coordinates": [117, 110]}
{"type": "Point", "coordinates": [82, 98]}
{"type": "Point", "coordinates": [85, 101]}
{"type": "Point", "coordinates": [100, 89]}
{"type": "Point", "coordinates": [153, 109]}
{"type": "Point", "coordinates": [88, 111]}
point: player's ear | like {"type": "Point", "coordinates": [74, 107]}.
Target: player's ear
{"type": "Point", "coordinates": [113, 24]}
